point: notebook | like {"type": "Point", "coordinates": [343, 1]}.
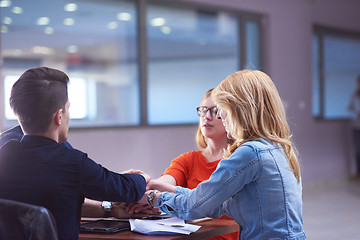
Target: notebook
{"type": "Point", "coordinates": [104, 226]}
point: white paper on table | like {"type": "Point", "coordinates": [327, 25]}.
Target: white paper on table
{"type": "Point", "coordinates": [168, 226]}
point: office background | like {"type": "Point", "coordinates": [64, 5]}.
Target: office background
{"type": "Point", "coordinates": [286, 43]}
{"type": "Point", "coordinates": [155, 59]}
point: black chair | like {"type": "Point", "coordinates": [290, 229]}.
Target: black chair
{"type": "Point", "coordinates": [24, 221]}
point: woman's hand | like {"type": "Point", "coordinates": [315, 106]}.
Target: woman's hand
{"type": "Point", "coordinates": [158, 184]}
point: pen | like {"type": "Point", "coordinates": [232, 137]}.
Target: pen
{"type": "Point", "coordinates": [172, 225]}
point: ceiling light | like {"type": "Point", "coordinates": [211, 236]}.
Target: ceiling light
{"type": "Point", "coordinates": [70, 7]}
{"type": "Point", "coordinates": [49, 30]}
{"type": "Point", "coordinates": [5, 3]}
{"type": "Point", "coordinates": [43, 50]}
{"type": "Point", "coordinates": [72, 49]}
{"type": "Point", "coordinates": [157, 22]}
{"type": "Point", "coordinates": [7, 20]}
{"type": "Point", "coordinates": [17, 10]}
{"type": "Point", "coordinates": [69, 21]}
{"type": "Point", "coordinates": [166, 29]}
{"type": "Point", "coordinates": [4, 29]}
{"type": "Point", "coordinates": [43, 21]}
{"type": "Point", "coordinates": [124, 16]}
{"type": "Point", "coordinates": [112, 25]}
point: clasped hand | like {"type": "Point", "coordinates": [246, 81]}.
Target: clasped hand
{"type": "Point", "coordinates": [142, 205]}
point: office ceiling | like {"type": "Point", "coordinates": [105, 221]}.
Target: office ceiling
{"type": "Point", "coordinates": [192, 33]}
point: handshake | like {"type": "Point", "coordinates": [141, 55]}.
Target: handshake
{"type": "Point", "coordinates": [146, 206]}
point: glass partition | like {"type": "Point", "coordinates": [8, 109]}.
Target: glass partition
{"type": "Point", "coordinates": [190, 51]}
{"type": "Point", "coordinates": [186, 50]}
{"type": "Point", "coordinates": [94, 42]}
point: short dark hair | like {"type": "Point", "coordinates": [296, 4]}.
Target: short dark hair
{"type": "Point", "coordinates": [37, 95]}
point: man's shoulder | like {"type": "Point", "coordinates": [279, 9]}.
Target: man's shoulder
{"type": "Point", "coordinates": [72, 151]}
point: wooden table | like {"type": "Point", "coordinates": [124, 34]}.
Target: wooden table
{"type": "Point", "coordinates": [209, 228]}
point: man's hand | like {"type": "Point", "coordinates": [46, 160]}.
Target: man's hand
{"type": "Point", "coordinates": [145, 175]}
{"type": "Point", "coordinates": [140, 208]}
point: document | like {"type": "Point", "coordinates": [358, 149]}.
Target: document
{"type": "Point", "coordinates": [168, 226]}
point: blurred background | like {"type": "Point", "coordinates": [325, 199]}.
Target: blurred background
{"type": "Point", "coordinates": [138, 69]}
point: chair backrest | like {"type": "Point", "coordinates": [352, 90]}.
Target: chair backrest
{"type": "Point", "coordinates": [25, 221]}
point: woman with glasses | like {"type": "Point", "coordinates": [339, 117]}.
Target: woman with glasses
{"type": "Point", "coordinates": [191, 168]}
{"type": "Point", "coordinates": [258, 182]}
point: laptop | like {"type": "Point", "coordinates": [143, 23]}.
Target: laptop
{"type": "Point", "coordinates": [104, 226]}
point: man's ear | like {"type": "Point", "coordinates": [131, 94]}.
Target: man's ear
{"type": "Point", "coordinates": [58, 117]}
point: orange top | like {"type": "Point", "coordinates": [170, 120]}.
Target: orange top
{"type": "Point", "coordinates": [191, 168]}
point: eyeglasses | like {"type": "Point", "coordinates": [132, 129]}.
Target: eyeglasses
{"type": "Point", "coordinates": [201, 111]}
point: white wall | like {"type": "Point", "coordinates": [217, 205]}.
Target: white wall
{"type": "Point", "coordinates": [150, 149]}
{"type": "Point", "coordinates": [324, 146]}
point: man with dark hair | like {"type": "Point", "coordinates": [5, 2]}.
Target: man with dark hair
{"type": "Point", "coordinates": [40, 171]}
{"type": "Point", "coordinates": [38, 94]}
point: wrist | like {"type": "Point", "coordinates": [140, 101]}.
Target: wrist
{"type": "Point", "coordinates": [151, 197]}
{"type": "Point", "coordinates": [107, 206]}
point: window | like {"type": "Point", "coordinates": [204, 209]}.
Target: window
{"type": "Point", "coordinates": [253, 45]}
{"type": "Point", "coordinates": [94, 42]}
{"type": "Point", "coordinates": [336, 64]}
{"type": "Point", "coordinates": [188, 50]}
{"type": "Point", "coordinates": [77, 91]}
{"type": "Point", "coordinates": [188, 57]}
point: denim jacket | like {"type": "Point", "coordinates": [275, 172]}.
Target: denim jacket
{"type": "Point", "coordinates": [255, 186]}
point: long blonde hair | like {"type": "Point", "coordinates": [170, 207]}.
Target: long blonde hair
{"type": "Point", "coordinates": [255, 110]}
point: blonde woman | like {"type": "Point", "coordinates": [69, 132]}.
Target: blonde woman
{"type": "Point", "coordinates": [258, 182]}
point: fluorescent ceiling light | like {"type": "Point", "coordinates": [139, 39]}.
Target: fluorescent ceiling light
{"type": "Point", "coordinates": [70, 7]}
{"type": "Point", "coordinates": [112, 25]}
{"type": "Point", "coordinates": [166, 29]}
{"type": "Point", "coordinates": [5, 3]}
{"type": "Point", "coordinates": [49, 30]}
{"type": "Point", "coordinates": [69, 21]}
{"type": "Point", "coordinates": [17, 10]}
{"type": "Point", "coordinates": [43, 50]}
{"type": "Point", "coordinates": [4, 29]}
{"type": "Point", "coordinates": [43, 21]}
{"type": "Point", "coordinates": [124, 16]}
{"type": "Point", "coordinates": [7, 20]}
{"type": "Point", "coordinates": [157, 22]}
{"type": "Point", "coordinates": [72, 49]}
